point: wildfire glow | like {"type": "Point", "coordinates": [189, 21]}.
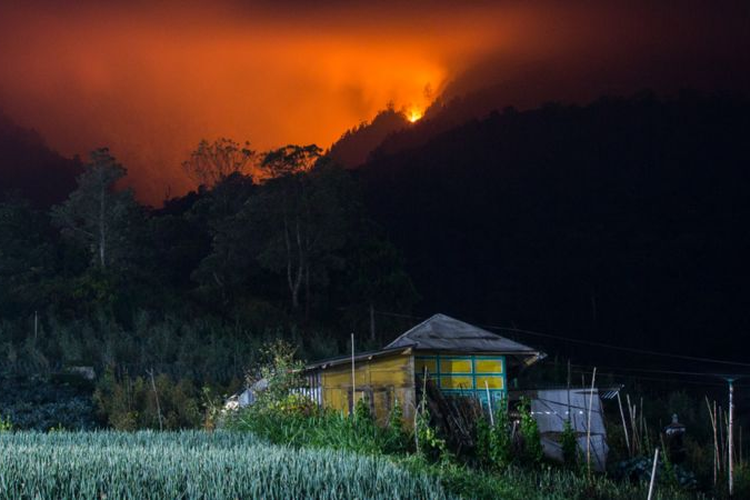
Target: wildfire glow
{"type": "Point", "coordinates": [151, 79]}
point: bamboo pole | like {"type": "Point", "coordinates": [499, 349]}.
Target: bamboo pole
{"type": "Point", "coordinates": [624, 425]}
{"type": "Point", "coordinates": [354, 381]}
{"type": "Point", "coordinates": [588, 424]}
{"type": "Point", "coordinates": [716, 444]}
{"type": "Point", "coordinates": [730, 435]}
{"type": "Point", "coordinates": [489, 403]}
{"type": "Point", "coordinates": [420, 409]}
{"type": "Point", "coordinates": [653, 475]}
{"type": "Point", "coordinates": [570, 416]}
{"type": "Point", "coordinates": [642, 429]}
{"type": "Point", "coordinates": [633, 426]}
{"type": "Point", "coordinates": [156, 396]}
{"type": "Point", "coordinates": [722, 443]}
{"type": "Point", "coordinates": [717, 428]}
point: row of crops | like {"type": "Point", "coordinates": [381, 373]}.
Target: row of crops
{"type": "Point", "coordinates": [192, 465]}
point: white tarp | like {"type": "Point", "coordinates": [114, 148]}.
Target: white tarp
{"type": "Point", "coordinates": [551, 408]}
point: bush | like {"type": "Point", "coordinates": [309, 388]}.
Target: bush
{"type": "Point", "coordinates": [429, 444]}
{"type": "Point", "coordinates": [531, 440]}
{"type": "Point", "coordinates": [5, 424]}
{"type": "Point", "coordinates": [569, 444]}
{"type": "Point", "coordinates": [493, 443]}
{"type": "Point", "coordinates": [280, 371]}
{"type": "Point", "coordinates": [324, 429]}
{"type": "Point", "coordinates": [132, 403]}
{"type": "Point", "coordinates": [396, 439]}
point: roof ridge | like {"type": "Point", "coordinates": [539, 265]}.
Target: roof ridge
{"type": "Point", "coordinates": [407, 332]}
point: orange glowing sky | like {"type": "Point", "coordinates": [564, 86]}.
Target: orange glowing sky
{"type": "Point", "coordinates": [150, 82]}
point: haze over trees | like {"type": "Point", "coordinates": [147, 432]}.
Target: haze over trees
{"type": "Point", "coordinates": [212, 162]}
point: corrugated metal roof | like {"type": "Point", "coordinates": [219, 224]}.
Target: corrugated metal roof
{"type": "Point", "coordinates": [443, 333]}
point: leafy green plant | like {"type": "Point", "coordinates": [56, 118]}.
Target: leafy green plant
{"type": "Point", "coordinates": [362, 413]}
{"type": "Point", "coordinates": [429, 444]}
{"type": "Point", "coordinates": [397, 440]}
{"type": "Point", "coordinates": [324, 429]}
{"type": "Point", "coordinates": [280, 372]}
{"type": "Point", "coordinates": [494, 445]}
{"type": "Point", "coordinates": [532, 452]}
{"type": "Point", "coordinates": [5, 424]}
{"type": "Point", "coordinates": [569, 444]}
{"type": "Point", "coordinates": [130, 403]}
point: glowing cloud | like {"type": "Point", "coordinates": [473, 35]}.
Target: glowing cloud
{"type": "Point", "coordinates": [150, 81]}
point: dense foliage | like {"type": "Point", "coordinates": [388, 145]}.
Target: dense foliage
{"type": "Point", "coordinates": [42, 404]}
{"type": "Point", "coordinates": [175, 303]}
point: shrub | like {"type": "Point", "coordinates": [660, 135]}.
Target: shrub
{"type": "Point", "coordinates": [132, 403]}
{"type": "Point", "coordinates": [429, 444]}
{"type": "Point", "coordinates": [742, 481]}
{"type": "Point", "coordinates": [281, 372]}
{"type": "Point", "coordinates": [362, 413]}
{"type": "Point", "coordinates": [531, 440]}
{"type": "Point", "coordinates": [5, 424]}
{"type": "Point", "coordinates": [494, 445]}
{"type": "Point", "coordinates": [569, 444]}
{"type": "Point", "coordinates": [396, 439]}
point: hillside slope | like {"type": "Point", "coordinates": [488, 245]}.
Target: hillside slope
{"type": "Point", "coordinates": [28, 166]}
{"type": "Point", "coordinates": [355, 145]}
{"type": "Point", "coordinates": [624, 220]}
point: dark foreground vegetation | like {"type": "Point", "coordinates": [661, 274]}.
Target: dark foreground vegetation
{"type": "Point", "coordinates": [284, 446]}
{"type": "Point", "coordinates": [498, 460]}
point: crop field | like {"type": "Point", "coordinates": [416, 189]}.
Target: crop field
{"type": "Point", "coordinates": [190, 465]}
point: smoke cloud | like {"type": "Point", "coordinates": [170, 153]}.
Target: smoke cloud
{"type": "Point", "coordinates": [150, 82]}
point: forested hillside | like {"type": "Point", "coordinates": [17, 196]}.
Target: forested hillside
{"type": "Point", "coordinates": [623, 221]}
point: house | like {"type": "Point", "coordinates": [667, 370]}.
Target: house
{"type": "Point", "coordinates": [461, 358]}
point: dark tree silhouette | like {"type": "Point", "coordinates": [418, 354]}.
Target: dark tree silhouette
{"type": "Point", "coordinates": [96, 214]}
{"type": "Point", "coordinates": [213, 162]}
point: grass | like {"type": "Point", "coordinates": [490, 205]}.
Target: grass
{"type": "Point", "coordinates": [281, 455]}
{"type": "Point", "coordinates": [331, 430]}
{"type": "Point", "coordinates": [326, 429]}
{"type": "Point", "coordinates": [193, 465]}
{"type": "Point", "coordinates": [550, 483]}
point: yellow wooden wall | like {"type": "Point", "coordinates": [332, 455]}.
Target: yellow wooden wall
{"type": "Point", "coordinates": [382, 379]}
